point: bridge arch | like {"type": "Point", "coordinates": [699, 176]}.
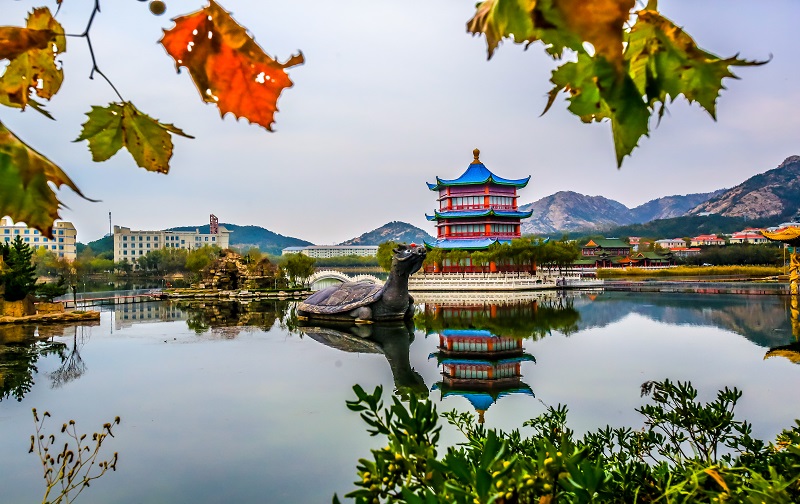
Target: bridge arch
{"type": "Point", "coordinates": [326, 278]}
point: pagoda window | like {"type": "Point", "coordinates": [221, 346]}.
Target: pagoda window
{"type": "Point", "coordinates": [467, 202]}
{"type": "Point", "coordinates": [467, 230]}
{"type": "Point", "coordinates": [502, 202]}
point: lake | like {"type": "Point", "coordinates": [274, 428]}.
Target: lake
{"type": "Point", "coordinates": [235, 402]}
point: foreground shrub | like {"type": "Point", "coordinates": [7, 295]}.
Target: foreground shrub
{"type": "Point", "coordinates": [686, 452]}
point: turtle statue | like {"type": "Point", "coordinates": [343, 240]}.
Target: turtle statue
{"type": "Point", "coordinates": [365, 301]}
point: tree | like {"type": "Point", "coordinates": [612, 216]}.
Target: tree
{"type": "Point", "coordinates": [298, 268]}
{"type": "Point", "coordinates": [51, 290]}
{"type": "Point", "coordinates": [385, 254]}
{"type": "Point", "coordinates": [18, 278]}
{"type": "Point", "coordinates": [623, 62]}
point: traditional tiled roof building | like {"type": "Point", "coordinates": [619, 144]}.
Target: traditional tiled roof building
{"type": "Point", "coordinates": [476, 209]}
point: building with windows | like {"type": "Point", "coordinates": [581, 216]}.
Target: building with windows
{"type": "Point", "coordinates": [130, 245]}
{"type": "Point", "coordinates": [705, 240]}
{"type": "Point", "coordinates": [476, 209]}
{"type": "Point", "coordinates": [671, 243]}
{"type": "Point", "coordinates": [749, 235]}
{"type": "Point", "coordinates": [62, 244]}
{"type": "Point", "coordinates": [326, 251]}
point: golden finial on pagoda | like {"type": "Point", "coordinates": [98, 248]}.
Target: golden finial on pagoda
{"type": "Point", "coordinates": [476, 153]}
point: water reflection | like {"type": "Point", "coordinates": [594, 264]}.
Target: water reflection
{"type": "Point", "coordinates": [393, 340]}
{"type": "Point", "coordinates": [21, 347]}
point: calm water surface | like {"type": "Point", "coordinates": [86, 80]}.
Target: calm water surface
{"type": "Point", "coordinates": [234, 402]}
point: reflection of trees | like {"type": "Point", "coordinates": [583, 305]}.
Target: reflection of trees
{"type": "Point", "coordinates": [524, 319]}
{"type": "Point", "coordinates": [72, 365]}
{"type": "Point", "coordinates": [226, 319]}
{"type": "Point", "coordinates": [18, 360]}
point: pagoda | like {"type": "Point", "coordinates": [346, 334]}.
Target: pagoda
{"type": "Point", "coordinates": [476, 209]}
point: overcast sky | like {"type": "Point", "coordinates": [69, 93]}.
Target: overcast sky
{"type": "Point", "coordinates": [394, 93]}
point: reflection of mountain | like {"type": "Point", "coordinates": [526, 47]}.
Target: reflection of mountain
{"type": "Point", "coordinates": [762, 319]}
{"type": "Point", "coordinates": [392, 339]}
{"type": "Point", "coordinates": [21, 346]}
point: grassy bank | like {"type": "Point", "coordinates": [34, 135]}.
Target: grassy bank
{"type": "Point", "coordinates": [744, 271]}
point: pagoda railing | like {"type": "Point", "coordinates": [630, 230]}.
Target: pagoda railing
{"type": "Point", "coordinates": [478, 207]}
{"type": "Point", "coordinates": [481, 235]}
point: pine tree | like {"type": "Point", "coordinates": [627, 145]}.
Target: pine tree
{"type": "Point", "coordinates": [19, 275]}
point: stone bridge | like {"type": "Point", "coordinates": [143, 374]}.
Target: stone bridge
{"type": "Point", "coordinates": [341, 277]}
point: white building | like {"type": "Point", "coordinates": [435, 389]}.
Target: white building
{"type": "Point", "coordinates": [671, 244]}
{"type": "Point", "coordinates": [131, 245]}
{"type": "Point", "coordinates": [63, 243]}
{"type": "Point", "coordinates": [325, 251]}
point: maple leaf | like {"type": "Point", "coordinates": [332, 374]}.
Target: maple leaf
{"type": "Point", "coordinates": [34, 71]}
{"type": "Point", "coordinates": [15, 40]}
{"type": "Point", "coordinates": [227, 65]}
{"type": "Point", "coordinates": [599, 22]}
{"type": "Point", "coordinates": [665, 63]}
{"type": "Point", "coordinates": [118, 125]}
{"type": "Point", "coordinates": [25, 178]}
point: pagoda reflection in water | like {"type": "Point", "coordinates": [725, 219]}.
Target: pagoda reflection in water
{"type": "Point", "coordinates": [477, 363]}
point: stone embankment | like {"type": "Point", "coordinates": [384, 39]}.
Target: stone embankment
{"type": "Point", "coordinates": [193, 293]}
{"type": "Point", "coordinates": [52, 318]}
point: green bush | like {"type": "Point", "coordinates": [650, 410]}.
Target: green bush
{"type": "Point", "coordinates": [686, 452]}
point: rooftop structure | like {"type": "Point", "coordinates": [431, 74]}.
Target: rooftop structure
{"type": "Point", "coordinates": [326, 251]}
{"type": "Point", "coordinates": [476, 209]}
{"type": "Point", "coordinates": [63, 243]}
{"type": "Point", "coordinates": [130, 245]}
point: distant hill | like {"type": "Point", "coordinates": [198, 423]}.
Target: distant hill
{"type": "Point", "coordinates": [775, 193]}
{"type": "Point", "coordinates": [395, 231]}
{"type": "Point", "coordinates": [680, 227]}
{"type": "Point", "coordinates": [670, 206]}
{"type": "Point", "coordinates": [253, 236]}
{"type": "Point", "coordinates": [571, 211]}
{"type": "Point", "coordinates": [104, 244]}
{"type": "Point", "coordinates": [568, 211]}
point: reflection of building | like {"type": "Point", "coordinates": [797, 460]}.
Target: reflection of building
{"type": "Point", "coordinates": [477, 209]}
{"type": "Point", "coordinates": [480, 366]}
{"type": "Point", "coordinates": [127, 314]}
{"type": "Point", "coordinates": [131, 245]}
{"type": "Point", "coordinates": [62, 244]}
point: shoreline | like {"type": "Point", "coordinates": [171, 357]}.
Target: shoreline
{"type": "Point", "coordinates": [52, 318]}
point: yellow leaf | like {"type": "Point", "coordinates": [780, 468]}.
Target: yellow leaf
{"type": "Point", "coordinates": [599, 22]}
{"type": "Point", "coordinates": [716, 476]}
{"type": "Point", "coordinates": [35, 70]}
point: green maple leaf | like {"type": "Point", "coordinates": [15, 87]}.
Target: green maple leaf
{"type": "Point", "coordinates": [665, 62]}
{"type": "Point", "coordinates": [119, 125]}
{"type": "Point", "coordinates": [25, 178]}
{"type": "Point", "coordinates": [596, 92]}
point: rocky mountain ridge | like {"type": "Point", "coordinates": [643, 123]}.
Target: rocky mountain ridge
{"type": "Point", "coordinates": [396, 231]}
{"type": "Point", "coordinates": [568, 211]}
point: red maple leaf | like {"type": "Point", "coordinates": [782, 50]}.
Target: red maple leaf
{"type": "Point", "coordinates": [227, 65]}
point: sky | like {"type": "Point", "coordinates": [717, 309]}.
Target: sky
{"type": "Point", "coordinates": [393, 94]}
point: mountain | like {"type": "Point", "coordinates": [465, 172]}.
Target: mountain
{"type": "Point", "coordinates": [571, 211]}
{"type": "Point", "coordinates": [253, 236]}
{"type": "Point", "coordinates": [670, 206]}
{"type": "Point", "coordinates": [775, 193]}
{"type": "Point", "coordinates": [395, 231]}
{"type": "Point", "coordinates": [568, 211]}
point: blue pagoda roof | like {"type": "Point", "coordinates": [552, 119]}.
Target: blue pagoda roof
{"type": "Point", "coordinates": [465, 243]}
{"type": "Point", "coordinates": [482, 400]}
{"type": "Point", "coordinates": [483, 333]}
{"type": "Point", "coordinates": [477, 174]}
{"type": "Point", "coordinates": [491, 212]}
